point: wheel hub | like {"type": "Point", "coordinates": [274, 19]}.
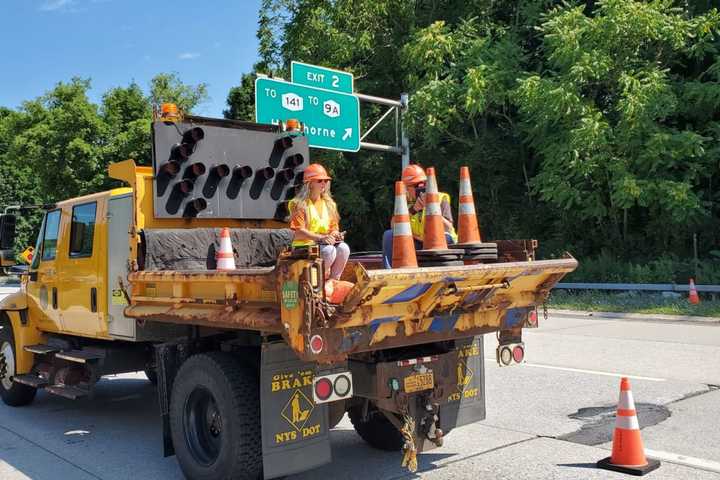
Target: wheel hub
{"type": "Point", "coordinates": [7, 365]}
{"type": "Point", "coordinates": [203, 426]}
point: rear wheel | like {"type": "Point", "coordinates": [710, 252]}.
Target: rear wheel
{"type": "Point", "coordinates": [215, 418]}
{"type": "Point", "coordinates": [13, 394]}
{"type": "Point", "coordinates": [376, 429]}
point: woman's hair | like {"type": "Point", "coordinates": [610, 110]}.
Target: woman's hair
{"type": "Point", "coordinates": [304, 194]}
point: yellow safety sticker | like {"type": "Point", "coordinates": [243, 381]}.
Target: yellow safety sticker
{"type": "Point", "coordinates": [118, 297]}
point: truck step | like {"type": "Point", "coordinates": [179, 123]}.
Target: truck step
{"type": "Point", "coordinates": [31, 380]}
{"type": "Point", "coordinates": [80, 356]}
{"type": "Point", "coordinates": [68, 391]}
{"type": "Point", "coordinates": [41, 349]}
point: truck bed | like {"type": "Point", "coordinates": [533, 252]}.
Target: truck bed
{"type": "Point", "coordinates": [385, 308]}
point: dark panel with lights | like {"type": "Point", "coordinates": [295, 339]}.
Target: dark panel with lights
{"type": "Point", "coordinates": [210, 168]}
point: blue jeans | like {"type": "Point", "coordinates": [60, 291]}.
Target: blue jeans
{"type": "Point", "coordinates": [388, 246]}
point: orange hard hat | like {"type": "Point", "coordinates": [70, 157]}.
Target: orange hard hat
{"type": "Point", "coordinates": [413, 174]}
{"type": "Point", "coordinates": [315, 171]}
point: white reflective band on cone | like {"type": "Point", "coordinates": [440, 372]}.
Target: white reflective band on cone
{"type": "Point", "coordinates": [467, 209]}
{"type": "Point", "coordinates": [432, 209]}
{"type": "Point", "coordinates": [401, 206]}
{"type": "Point", "coordinates": [627, 423]}
{"type": "Point", "coordinates": [626, 401]}
{"type": "Point", "coordinates": [431, 186]}
{"type": "Point", "coordinates": [465, 188]}
{"type": "Point", "coordinates": [402, 229]}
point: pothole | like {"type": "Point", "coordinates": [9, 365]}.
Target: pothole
{"type": "Point", "coordinates": [600, 422]}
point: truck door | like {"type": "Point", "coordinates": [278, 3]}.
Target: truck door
{"type": "Point", "coordinates": [79, 275]}
{"type": "Point", "coordinates": [119, 220]}
{"type": "Point", "coordinates": [43, 279]}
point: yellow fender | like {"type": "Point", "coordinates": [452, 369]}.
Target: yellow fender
{"type": "Point", "coordinates": [24, 330]}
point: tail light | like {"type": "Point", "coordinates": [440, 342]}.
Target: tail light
{"type": "Point", "coordinates": [330, 388]}
{"type": "Point", "coordinates": [532, 319]}
{"type": "Point", "coordinates": [510, 353]}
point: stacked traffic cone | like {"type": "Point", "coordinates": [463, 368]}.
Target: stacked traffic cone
{"type": "Point", "coordinates": [693, 298]}
{"type": "Point", "coordinates": [628, 453]}
{"type": "Point", "coordinates": [225, 257]}
{"type": "Point", "coordinates": [468, 230]}
{"type": "Point", "coordinates": [434, 234]}
{"type": "Point", "coordinates": [403, 253]}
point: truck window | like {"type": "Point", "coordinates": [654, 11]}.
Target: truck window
{"type": "Point", "coordinates": [82, 230]}
{"type": "Point", "coordinates": [52, 226]}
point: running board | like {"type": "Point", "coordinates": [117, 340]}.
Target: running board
{"type": "Point", "coordinates": [31, 380]}
{"type": "Point", "coordinates": [80, 356]}
{"type": "Point", "coordinates": [68, 391]}
{"type": "Point", "coordinates": [41, 349]}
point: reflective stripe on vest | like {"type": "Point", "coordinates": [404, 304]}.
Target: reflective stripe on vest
{"type": "Point", "coordinates": [315, 222]}
{"type": "Point", "coordinates": [417, 221]}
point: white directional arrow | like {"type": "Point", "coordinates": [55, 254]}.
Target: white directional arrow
{"type": "Point", "coordinates": [348, 133]}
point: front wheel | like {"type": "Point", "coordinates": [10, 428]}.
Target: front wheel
{"type": "Point", "coordinates": [12, 393]}
{"type": "Point", "coordinates": [215, 418]}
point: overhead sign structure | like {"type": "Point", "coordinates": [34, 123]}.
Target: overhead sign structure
{"type": "Point", "coordinates": [331, 119]}
{"type": "Point", "coordinates": [321, 77]}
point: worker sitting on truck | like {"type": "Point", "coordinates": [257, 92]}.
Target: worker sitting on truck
{"type": "Point", "coordinates": [315, 220]}
{"type": "Point", "coordinates": [414, 178]}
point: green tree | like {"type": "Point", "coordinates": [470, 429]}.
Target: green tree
{"type": "Point", "coordinates": [167, 87]}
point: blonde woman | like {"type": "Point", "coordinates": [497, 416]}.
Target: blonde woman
{"type": "Point", "coordinates": [315, 220]}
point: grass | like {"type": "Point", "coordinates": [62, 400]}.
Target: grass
{"type": "Point", "coordinates": [632, 302]}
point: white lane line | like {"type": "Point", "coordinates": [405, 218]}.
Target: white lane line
{"type": "Point", "coordinates": [699, 463]}
{"type": "Point", "coordinates": [593, 372]}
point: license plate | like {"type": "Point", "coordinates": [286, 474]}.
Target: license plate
{"type": "Point", "coordinates": [418, 382]}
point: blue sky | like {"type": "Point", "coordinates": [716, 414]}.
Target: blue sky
{"type": "Point", "coordinates": [114, 42]}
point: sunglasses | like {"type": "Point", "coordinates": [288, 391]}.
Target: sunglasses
{"type": "Point", "coordinates": [322, 181]}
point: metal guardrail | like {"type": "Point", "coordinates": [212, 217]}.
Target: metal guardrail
{"type": "Point", "coordinates": [648, 287]}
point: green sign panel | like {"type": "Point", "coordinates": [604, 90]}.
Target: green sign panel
{"type": "Point", "coordinates": [331, 120]}
{"type": "Point", "coordinates": [321, 77]}
{"type": "Point", "coordinates": [290, 296]}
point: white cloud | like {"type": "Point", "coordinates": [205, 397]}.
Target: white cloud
{"type": "Point", "coordinates": [52, 5]}
{"type": "Point", "coordinates": [188, 56]}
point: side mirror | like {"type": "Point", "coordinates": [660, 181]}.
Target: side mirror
{"type": "Point", "coordinates": [7, 240]}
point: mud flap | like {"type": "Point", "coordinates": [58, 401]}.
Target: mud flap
{"type": "Point", "coordinates": [466, 403]}
{"type": "Point", "coordinates": [295, 434]}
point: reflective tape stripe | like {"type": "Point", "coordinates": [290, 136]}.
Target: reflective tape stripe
{"type": "Point", "coordinates": [432, 209]}
{"type": "Point", "coordinates": [465, 188]}
{"type": "Point", "coordinates": [401, 207]}
{"type": "Point", "coordinates": [626, 401]}
{"type": "Point", "coordinates": [402, 229]}
{"type": "Point", "coordinates": [467, 209]}
{"type": "Point", "coordinates": [431, 186]}
{"type": "Point", "coordinates": [627, 423]}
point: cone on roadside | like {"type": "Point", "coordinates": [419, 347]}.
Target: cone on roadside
{"type": "Point", "coordinates": [224, 256]}
{"type": "Point", "coordinates": [434, 234]}
{"type": "Point", "coordinates": [468, 229]}
{"type": "Point", "coordinates": [693, 298]}
{"type": "Point", "coordinates": [403, 253]}
{"type": "Point", "coordinates": [628, 453]}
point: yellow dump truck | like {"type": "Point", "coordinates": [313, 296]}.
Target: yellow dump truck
{"type": "Point", "coordinates": [253, 366]}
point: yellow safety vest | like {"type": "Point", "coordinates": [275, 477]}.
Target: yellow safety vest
{"type": "Point", "coordinates": [417, 222]}
{"type": "Point", "coordinates": [315, 221]}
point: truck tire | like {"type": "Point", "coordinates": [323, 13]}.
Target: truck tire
{"type": "Point", "coordinates": [215, 418]}
{"type": "Point", "coordinates": [376, 430]}
{"type": "Point", "coordinates": [13, 394]}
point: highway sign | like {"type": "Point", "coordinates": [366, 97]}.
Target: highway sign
{"type": "Point", "coordinates": [331, 119]}
{"type": "Point", "coordinates": [321, 77]}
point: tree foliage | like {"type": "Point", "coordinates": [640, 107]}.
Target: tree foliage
{"type": "Point", "coordinates": [590, 125]}
{"type": "Point", "coordinates": [59, 145]}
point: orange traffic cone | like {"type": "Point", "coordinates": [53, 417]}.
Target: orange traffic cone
{"type": "Point", "coordinates": [225, 257]}
{"type": "Point", "coordinates": [403, 254]}
{"type": "Point", "coordinates": [468, 230]}
{"type": "Point", "coordinates": [434, 234]}
{"type": "Point", "coordinates": [693, 298]}
{"type": "Point", "coordinates": [628, 453]}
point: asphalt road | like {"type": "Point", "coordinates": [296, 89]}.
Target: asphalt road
{"type": "Point", "coordinates": [551, 417]}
